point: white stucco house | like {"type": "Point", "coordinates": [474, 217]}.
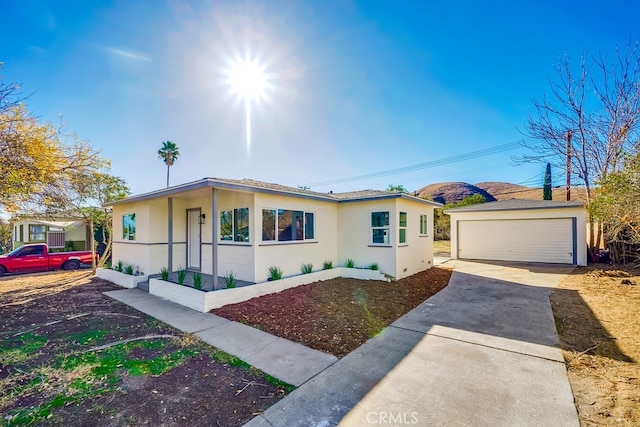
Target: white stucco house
{"type": "Point", "coordinates": [58, 232]}
{"type": "Point", "coordinates": [216, 226]}
{"type": "Point", "coordinates": [542, 231]}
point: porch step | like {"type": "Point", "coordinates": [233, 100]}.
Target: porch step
{"type": "Point", "coordinates": [144, 286]}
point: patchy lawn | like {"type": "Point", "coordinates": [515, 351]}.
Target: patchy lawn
{"type": "Point", "coordinates": [338, 315]}
{"type": "Point", "coordinates": [597, 315]}
{"type": "Point", "coordinates": [70, 355]}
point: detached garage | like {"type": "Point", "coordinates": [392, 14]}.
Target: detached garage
{"type": "Point", "coordinates": [520, 230]}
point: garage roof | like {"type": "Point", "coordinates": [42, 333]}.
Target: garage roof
{"type": "Point", "coordinates": [516, 205]}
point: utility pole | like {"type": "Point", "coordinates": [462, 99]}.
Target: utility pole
{"type": "Point", "coordinates": [569, 134]}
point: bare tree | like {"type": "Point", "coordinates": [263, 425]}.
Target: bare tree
{"type": "Point", "coordinates": [598, 102]}
{"type": "Point", "coordinates": [10, 95]}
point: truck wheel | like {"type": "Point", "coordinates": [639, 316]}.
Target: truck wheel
{"type": "Point", "coordinates": [2, 271]}
{"type": "Point", "coordinates": [71, 265]}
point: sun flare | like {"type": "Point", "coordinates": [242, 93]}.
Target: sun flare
{"type": "Point", "coordinates": [248, 79]}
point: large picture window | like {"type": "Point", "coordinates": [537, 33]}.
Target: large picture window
{"type": "Point", "coordinates": [284, 225]}
{"type": "Point", "coordinates": [37, 233]}
{"type": "Point", "coordinates": [423, 225]}
{"type": "Point", "coordinates": [380, 228]}
{"type": "Point", "coordinates": [129, 227]}
{"type": "Point", "coordinates": [402, 228]}
{"type": "Point", "coordinates": [234, 225]}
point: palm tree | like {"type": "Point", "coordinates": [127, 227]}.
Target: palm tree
{"type": "Point", "coordinates": [169, 153]}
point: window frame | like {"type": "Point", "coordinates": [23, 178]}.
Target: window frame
{"type": "Point", "coordinates": [402, 229]}
{"type": "Point", "coordinates": [33, 234]}
{"type": "Point", "coordinates": [383, 227]}
{"type": "Point", "coordinates": [234, 226]}
{"type": "Point", "coordinates": [129, 236]}
{"type": "Point", "coordinates": [424, 225]}
{"type": "Point", "coordinates": [276, 212]}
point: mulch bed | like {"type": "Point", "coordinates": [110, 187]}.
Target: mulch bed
{"type": "Point", "coordinates": [337, 316]}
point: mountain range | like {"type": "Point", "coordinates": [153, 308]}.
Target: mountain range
{"type": "Point", "coordinates": [454, 192]}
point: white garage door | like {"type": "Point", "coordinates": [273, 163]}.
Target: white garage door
{"type": "Point", "coordinates": [530, 240]}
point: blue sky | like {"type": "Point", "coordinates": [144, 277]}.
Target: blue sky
{"type": "Point", "coordinates": [357, 87]}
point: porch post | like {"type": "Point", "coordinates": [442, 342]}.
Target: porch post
{"type": "Point", "coordinates": [214, 237]}
{"type": "Point", "coordinates": [170, 231]}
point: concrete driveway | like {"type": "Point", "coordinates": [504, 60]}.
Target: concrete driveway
{"type": "Point", "coordinates": [484, 351]}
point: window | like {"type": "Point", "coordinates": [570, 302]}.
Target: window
{"type": "Point", "coordinates": [37, 233]}
{"type": "Point", "coordinates": [308, 226]}
{"type": "Point", "coordinates": [380, 228]}
{"type": "Point", "coordinates": [268, 224]}
{"type": "Point", "coordinates": [15, 234]}
{"type": "Point", "coordinates": [423, 225]}
{"type": "Point", "coordinates": [402, 228]}
{"type": "Point", "coordinates": [287, 225]}
{"type": "Point", "coordinates": [129, 227]}
{"type": "Point", "coordinates": [31, 251]}
{"type": "Point", "coordinates": [234, 225]}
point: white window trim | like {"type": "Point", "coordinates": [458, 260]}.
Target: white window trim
{"type": "Point", "coordinates": [400, 228]}
{"type": "Point", "coordinates": [33, 234]}
{"type": "Point", "coordinates": [135, 235]}
{"type": "Point", "coordinates": [288, 242]}
{"type": "Point", "coordinates": [387, 227]}
{"type": "Point", "coordinates": [426, 225]}
{"type": "Point", "coordinates": [233, 226]}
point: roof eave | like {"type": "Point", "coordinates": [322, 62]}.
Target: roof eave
{"type": "Point", "coordinates": [393, 196]}
{"type": "Point", "coordinates": [214, 183]}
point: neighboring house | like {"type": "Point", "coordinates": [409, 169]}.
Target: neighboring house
{"type": "Point", "coordinates": [244, 226]}
{"type": "Point", "coordinates": [59, 233]}
{"type": "Point", "coordinates": [520, 230]}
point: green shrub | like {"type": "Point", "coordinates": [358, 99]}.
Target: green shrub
{"type": "Point", "coordinates": [306, 268]}
{"type": "Point", "coordinates": [164, 274]}
{"type": "Point", "coordinates": [128, 269]}
{"type": "Point", "coordinates": [327, 265]}
{"type": "Point", "coordinates": [374, 266]}
{"type": "Point", "coordinates": [229, 280]}
{"type": "Point", "coordinates": [349, 263]}
{"type": "Point", "coordinates": [119, 266]}
{"type": "Point", "coordinates": [182, 274]}
{"type": "Point", "coordinates": [275, 273]}
{"type": "Point", "coordinates": [197, 281]}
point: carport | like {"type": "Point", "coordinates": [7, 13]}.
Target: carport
{"type": "Point", "coordinates": [520, 230]}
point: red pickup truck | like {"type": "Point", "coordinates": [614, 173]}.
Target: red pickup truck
{"type": "Point", "coordinates": [36, 257]}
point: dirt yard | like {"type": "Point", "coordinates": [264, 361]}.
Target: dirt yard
{"type": "Point", "coordinates": [337, 316]}
{"type": "Point", "coordinates": [597, 315]}
{"type": "Point", "coordinates": [70, 355]}
{"type": "Point", "coordinates": [54, 371]}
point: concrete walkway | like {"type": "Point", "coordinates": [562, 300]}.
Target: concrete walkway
{"type": "Point", "coordinates": [482, 352]}
{"type": "Point", "coordinates": [288, 361]}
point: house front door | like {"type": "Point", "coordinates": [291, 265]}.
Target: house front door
{"type": "Point", "coordinates": [194, 241]}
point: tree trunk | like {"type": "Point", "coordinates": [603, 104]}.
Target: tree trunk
{"type": "Point", "coordinates": [168, 175]}
{"type": "Point", "coordinates": [93, 247]}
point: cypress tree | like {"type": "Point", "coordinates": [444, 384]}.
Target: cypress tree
{"type": "Point", "coordinates": [546, 190]}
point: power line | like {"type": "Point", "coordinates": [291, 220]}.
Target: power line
{"type": "Point", "coordinates": [431, 164]}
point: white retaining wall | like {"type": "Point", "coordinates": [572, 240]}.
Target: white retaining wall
{"type": "Point", "coordinates": [205, 301]}
{"type": "Point", "coordinates": [122, 279]}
